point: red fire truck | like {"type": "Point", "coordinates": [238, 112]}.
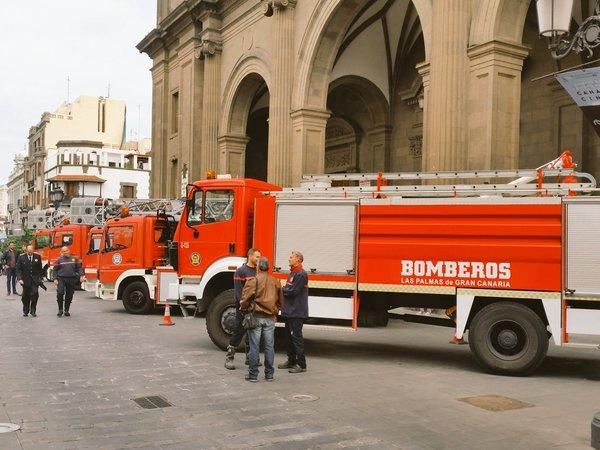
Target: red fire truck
{"type": "Point", "coordinates": [517, 260]}
{"type": "Point", "coordinates": [127, 243]}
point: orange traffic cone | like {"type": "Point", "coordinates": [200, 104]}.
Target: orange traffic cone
{"type": "Point", "coordinates": [167, 317]}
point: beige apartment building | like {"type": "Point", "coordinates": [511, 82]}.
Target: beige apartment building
{"type": "Point", "coordinates": [276, 89]}
{"type": "Point", "coordinates": [86, 118]}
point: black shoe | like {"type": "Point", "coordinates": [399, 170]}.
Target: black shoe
{"type": "Point", "coordinates": [67, 314]}
{"type": "Point", "coordinates": [285, 365]}
{"type": "Point", "coordinates": [250, 379]}
{"type": "Point", "coordinates": [33, 315]}
{"type": "Point", "coordinates": [297, 369]}
{"type": "Point", "coordinates": [24, 315]}
{"type": "Point", "coordinates": [60, 313]}
{"type": "Point", "coordinates": [268, 378]}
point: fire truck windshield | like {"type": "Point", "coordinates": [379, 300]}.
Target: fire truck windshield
{"type": "Point", "coordinates": [211, 206]}
{"type": "Point", "coordinates": [62, 239]}
{"type": "Point", "coordinates": [95, 243]}
{"type": "Point", "coordinates": [42, 241]}
{"type": "Point", "coordinates": [119, 237]}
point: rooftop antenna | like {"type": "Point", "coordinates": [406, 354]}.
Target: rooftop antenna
{"type": "Point", "coordinates": [108, 96]}
{"type": "Point", "coordinates": [139, 121]}
{"type": "Point", "coordinates": [68, 88]}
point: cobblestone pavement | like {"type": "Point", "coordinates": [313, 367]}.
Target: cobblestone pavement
{"type": "Point", "coordinates": [69, 383]}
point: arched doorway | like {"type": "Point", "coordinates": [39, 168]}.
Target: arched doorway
{"type": "Point", "coordinates": [244, 140]}
{"type": "Point", "coordinates": [257, 130]}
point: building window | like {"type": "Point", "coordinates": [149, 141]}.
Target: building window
{"type": "Point", "coordinates": [128, 190]}
{"type": "Point", "coordinates": [175, 112]}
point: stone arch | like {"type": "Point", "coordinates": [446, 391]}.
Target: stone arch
{"type": "Point", "coordinates": [325, 33]}
{"type": "Point", "coordinates": [502, 20]}
{"type": "Point", "coordinates": [371, 95]}
{"type": "Point", "coordinates": [358, 102]}
{"type": "Point", "coordinates": [249, 74]}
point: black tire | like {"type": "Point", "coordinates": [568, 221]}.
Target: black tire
{"type": "Point", "coordinates": [508, 339]}
{"type": "Point", "coordinates": [136, 298]}
{"type": "Point", "coordinates": [220, 318]}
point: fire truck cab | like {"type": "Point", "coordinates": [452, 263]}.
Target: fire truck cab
{"type": "Point", "coordinates": [74, 236]}
{"type": "Point", "coordinates": [517, 260]}
{"type": "Point", "coordinates": [131, 249]}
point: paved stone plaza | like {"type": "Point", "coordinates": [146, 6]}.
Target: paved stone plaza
{"type": "Point", "coordinates": [69, 383]}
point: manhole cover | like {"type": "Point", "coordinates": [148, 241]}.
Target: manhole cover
{"type": "Point", "coordinates": [152, 402]}
{"type": "Point", "coordinates": [495, 403]}
{"type": "Point", "coordinates": [8, 427]}
{"type": "Point", "coordinates": [304, 398]}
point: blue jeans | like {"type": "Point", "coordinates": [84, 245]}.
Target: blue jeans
{"type": "Point", "coordinates": [266, 329]}
{"type": "Point", "coordinates": [11, 279]}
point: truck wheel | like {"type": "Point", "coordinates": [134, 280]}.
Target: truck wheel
{"type": "Point", "coordinates": [220, 318]}
{"type": "Point", "coordinates": [136, 298]}
{"type": "Point", "coordinates": [508, 339]}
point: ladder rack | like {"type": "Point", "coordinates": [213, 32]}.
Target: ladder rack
{"type": "Point", "coordinates": [376, 185]}
{"type": "Point", "coordinates": [96, 211]}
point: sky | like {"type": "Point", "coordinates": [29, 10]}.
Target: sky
{"type": "Point", "coordinates": [91, 42]}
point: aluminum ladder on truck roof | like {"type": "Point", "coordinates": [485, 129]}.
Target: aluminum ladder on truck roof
{"type": "Point", "coordinates": [96, 211]}
{"type": "Point", "coordinates": [379, 185]}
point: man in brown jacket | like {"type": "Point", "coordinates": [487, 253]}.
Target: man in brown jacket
{"type": "Point", "coordinates": [263, 294]}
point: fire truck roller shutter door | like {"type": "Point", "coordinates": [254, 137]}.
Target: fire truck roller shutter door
{"type": "Point", "coordinates": [324, 231]}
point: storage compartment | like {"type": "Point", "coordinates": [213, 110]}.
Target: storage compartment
{"type": "Point", "coordinates": [583, 246]}
{"type": "Point", "coordinates": [324, 232]}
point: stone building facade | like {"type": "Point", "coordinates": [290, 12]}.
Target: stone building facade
{"type": "Point", "coordinates": [275, 89]}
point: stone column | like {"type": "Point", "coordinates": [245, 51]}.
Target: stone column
{"type": "Point", "coordinates": [232, 153]}
{"type": "Point", "coordinates": [424, 70]}
{"type": "Point", "coordinates": [495, 104]}
{"type": "Point", "coordinates": [446, 141]}
{"type": "Point", "coordinates": [280, 122]}
{"type": "Point", "coordinates": [308, 155]}
{"type": "Point", "coordinates": [210, 52]}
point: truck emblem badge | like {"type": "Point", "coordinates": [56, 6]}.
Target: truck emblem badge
{"type": "Point", "coordinates": [195, 259]}
{"type": "Point", "coordinates": [117, 259]}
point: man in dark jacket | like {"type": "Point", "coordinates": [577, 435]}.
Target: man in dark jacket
{"type": "Point", "coordinates": [263, 295]}
{"type": "Point", "coordinates": [242, 274]}
{"type": "Point", "coordinates": [9, 258]}
{"type": "Point", "coordinates": [68, 271]}
{"type": "Point", "coordinates": [29, 274]}
{"type": "Point", "coordinates": [295, 311]}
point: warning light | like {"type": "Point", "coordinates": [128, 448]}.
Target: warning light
{"type": "Point", "coordinates": [211, 175]}
{"type": "Point", "coordinates": [124, 211]}
{"type": "Point", "coordinates": [66, 220]}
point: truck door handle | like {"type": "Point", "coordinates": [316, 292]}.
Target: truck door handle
{"type": "Point", "coordinates": [231, 248]}
{"type": "Point", "coordinates": [130, 260]}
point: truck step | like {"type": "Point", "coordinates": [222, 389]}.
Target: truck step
{"type": "Point", "coordinates": [308, 326]}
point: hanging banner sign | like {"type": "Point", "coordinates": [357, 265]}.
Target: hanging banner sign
{"type": "Point", "coordinates": [584, 87]}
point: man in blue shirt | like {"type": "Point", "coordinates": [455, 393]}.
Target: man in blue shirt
{"type": "Point", "coordinates": [243, 273]}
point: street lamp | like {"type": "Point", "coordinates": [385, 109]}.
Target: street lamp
{"type": "Point", "coordinates": [554, 19]}
{"type": "Point", "coordinates": [56, 196]}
